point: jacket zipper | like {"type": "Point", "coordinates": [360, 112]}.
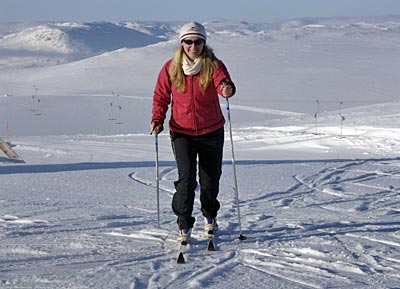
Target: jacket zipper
{"type": "Point", "coordinates": [193, 104]}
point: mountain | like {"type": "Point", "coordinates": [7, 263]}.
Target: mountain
{"type": "Point", "coordinates": [48, 44]}
{"type": "Point", "coordinates": [57, 43]}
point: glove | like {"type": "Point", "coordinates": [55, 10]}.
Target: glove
{"type": "Point", "coordinates": [226, 90]}
{"type": "Point", "coordinates": [156, 127]}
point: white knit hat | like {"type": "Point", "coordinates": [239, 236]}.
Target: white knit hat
{"type": "Point", "coordinates": [192, 29]}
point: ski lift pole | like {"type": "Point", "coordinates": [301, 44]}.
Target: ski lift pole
{"type": "Point", "coordinates": [157, 183]}
{"type": "Point", "coordinates": [341, 119]}
{"type": "Point", "coordinates": [7, 133]}
{"type": "Point", "coordinates": [241, 237]}
{"type": "Point", "coordinates": [316, 117]}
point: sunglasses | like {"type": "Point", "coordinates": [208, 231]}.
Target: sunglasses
{"type": "Point", "coordinates": [196, 42]}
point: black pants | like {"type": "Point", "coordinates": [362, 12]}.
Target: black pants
{"type": "Point", "coordinates": [209, 149]}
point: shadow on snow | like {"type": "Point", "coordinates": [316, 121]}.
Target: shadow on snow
{"type": "Point", "coordinates": [52, 168]}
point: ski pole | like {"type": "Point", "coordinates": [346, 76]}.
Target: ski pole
{"type": "Point", "coordinates": [241, 237]}
{"type": "Point", "coordinates": [157, 183]}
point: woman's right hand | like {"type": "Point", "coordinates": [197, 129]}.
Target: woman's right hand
{"type": "Point", "coordinates": [156, 127]}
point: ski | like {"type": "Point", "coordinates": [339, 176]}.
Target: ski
{"type": "Point", "coordinates": [182, 248]}
{"type": "Point", "coordinates": [184, 245]}
{"type": "Point", "coordinates": [210, 242]}
{"type": "Point", "coordinates": [210, 246]}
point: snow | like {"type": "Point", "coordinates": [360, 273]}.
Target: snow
{"type": "Point", "coordinates": [58, 43]}
{"type": "Point", "coordinates": [319, 195]}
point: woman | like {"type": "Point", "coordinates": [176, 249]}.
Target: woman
{"type": "Point", "coordinates": [191, 82]}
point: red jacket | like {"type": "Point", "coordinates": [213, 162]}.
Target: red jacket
{"type": "Point", "coordinates": [193, 112]}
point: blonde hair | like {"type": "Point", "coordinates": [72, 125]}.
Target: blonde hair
{"type": "Point", "coordinates": [210, 63]}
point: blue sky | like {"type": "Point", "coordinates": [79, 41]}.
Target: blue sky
{"type": "Point", "coordinates": [200, 10]}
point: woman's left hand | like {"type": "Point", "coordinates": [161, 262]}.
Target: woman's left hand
{"type": "Point", "coordinates": [226, 90]}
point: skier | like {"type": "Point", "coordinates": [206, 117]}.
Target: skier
{"type": "Point", "coordinates": [191, 82]}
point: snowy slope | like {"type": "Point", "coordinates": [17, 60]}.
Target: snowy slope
{"type": "Point", "coordinates": [56, 43]}
{"type": "Point", "coordinates": [316, 135]}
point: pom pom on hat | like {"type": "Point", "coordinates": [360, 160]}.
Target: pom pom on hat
{"type": "Point", "coordinates": [192, 29]}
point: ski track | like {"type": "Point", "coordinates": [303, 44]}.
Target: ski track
{"type": "Point", "coordinates": [296, 265]}
{"type": "Point", "coordinates": [349, 239]}
{"type": "Point", "coordinates": [324, 182]}
{"type": "Point", "coordinates": [281, 259]}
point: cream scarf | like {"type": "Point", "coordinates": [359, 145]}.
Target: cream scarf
{"type": "Point", "coordinates": [191, 67]}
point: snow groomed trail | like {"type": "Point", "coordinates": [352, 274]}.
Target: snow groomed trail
{"type": "Point", "coordinates": [310, 224]}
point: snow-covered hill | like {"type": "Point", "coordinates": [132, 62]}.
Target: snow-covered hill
{"type": "Point", "coordinates": [58, 43]}
{"type": "Point", "coordinates": [46, 44]}
{"type": "Point", "coordinates": [316, 130]}
{"type": "Point", "coordinates": [297, 62]}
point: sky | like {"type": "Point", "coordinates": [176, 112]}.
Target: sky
{"type": "Point", "coordinates": [178, 10]}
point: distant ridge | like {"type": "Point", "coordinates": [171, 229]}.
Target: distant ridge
{"type": "Point", "coordinates": [58, 43]}
{"type": "Point", "coordinates": [47, 44]}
